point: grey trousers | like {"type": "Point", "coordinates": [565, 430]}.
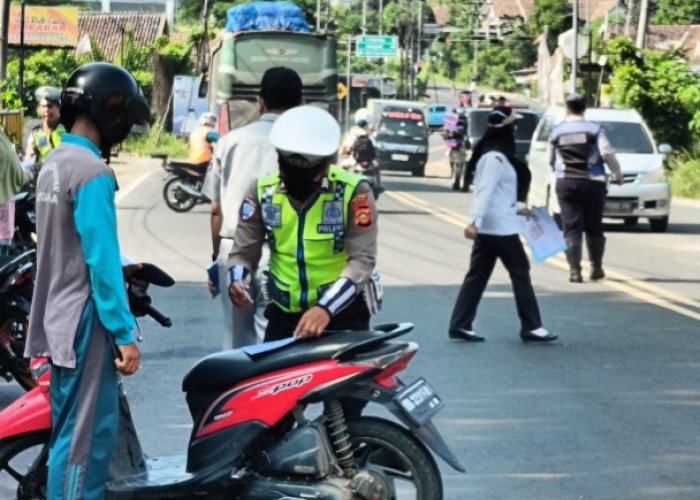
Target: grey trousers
{"type": "Point", "coordinates": [242, 326]}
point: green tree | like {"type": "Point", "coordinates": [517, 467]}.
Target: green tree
{"type": "Point", "coordinates": [553, 16]}
{"type": "Point", "coordinates": [661, 86]}
{"type": "Point", "coordinates": [677, 12]}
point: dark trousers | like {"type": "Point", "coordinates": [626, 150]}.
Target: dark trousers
{"type": "Point", "coordinates": [582, 202]}
{"type": "Point", "coordinates": [486, 250]}
{"type": "Point", "coordinates": [281, 325]}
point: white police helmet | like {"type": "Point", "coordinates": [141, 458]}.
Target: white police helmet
{"type": "Point", "coordinates": [308, 131]}
{"type": "Point", "coordinates": [47, 95]}
{"type": "Point", "coordinates": [207, 118]}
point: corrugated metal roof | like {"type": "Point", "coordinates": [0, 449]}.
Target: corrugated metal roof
{"type": "Point", "coordinates": [105, 29]}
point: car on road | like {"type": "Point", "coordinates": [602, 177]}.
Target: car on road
{"type": "Point", "coordinates": [525, 127]}
{"type": "Point", "coordinates": [646, 191]}
{"type": "Point", "coordinates": [436, 115]}
{"type": "Point", "coordinates": [401, 139]}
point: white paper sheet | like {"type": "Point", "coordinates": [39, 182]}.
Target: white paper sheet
{"type": "Point", "coordinates": [543, 236]}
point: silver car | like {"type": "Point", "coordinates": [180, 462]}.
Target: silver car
{"type": "Point", "coordinates": [646, 191]}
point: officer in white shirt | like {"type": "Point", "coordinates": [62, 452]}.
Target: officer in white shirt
{"type": "Point", "coordinates": [240, 157]}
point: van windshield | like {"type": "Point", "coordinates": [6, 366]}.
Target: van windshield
{"type": "Point", "coordinates": [628, 138]}
{"type": "Point", "coordinates": [407, 124]}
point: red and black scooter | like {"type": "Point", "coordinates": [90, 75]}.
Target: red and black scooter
{"type": "Point", "coordinates": [251, 439]}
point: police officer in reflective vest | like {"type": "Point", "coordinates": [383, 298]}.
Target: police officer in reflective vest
{"type": "Point", "coordinates": [579, 151]}
{"type": "Point", "coordinates": [321, 224]}
{"type": "Point", "coordinates": [46, 136]}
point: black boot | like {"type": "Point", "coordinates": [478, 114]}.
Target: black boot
{"type": "Point", "coordinates": [596, 249]}
{"type": "Point", "coordinates": [573, 257]}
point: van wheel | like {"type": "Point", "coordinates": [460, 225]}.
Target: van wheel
{"type": "Point", "coordinates": [420, 172]}
{"type": "Point", "coordinates": [659, 225]}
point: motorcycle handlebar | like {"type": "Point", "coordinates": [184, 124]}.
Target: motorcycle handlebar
{"type": "Point", "coordinates": [158, 316]}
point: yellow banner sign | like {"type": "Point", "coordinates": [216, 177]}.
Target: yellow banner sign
{"type": "Point", "coordinates": [52, 26]}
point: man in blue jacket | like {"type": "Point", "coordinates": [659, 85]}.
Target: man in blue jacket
{"type": "Point", "coordinates": [80, 317]}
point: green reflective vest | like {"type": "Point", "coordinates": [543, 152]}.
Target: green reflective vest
{"type": "Point", "coordinates": [307, 250]}
{"type": "Point", "coordinates": [43, 146]}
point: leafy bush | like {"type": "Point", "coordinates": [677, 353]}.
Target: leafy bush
{"type": "Point", "coordinates": [685, 173]}
{"type": "Point", "coordinates": [156, 141]}
{"type": "Point", "coordinates": [661, 86]}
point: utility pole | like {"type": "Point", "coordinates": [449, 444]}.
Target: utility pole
{"type": "Point", "coordinates": [4, 30]}
{"type": "Point", "coordinates": [628, 16]}
{"type": "Point", "coordinates": [574, 59]}
{"type": "Point", "coordinates": [643, 25]}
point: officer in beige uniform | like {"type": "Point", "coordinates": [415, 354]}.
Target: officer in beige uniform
{"type": "Point", "coordinates": [321, 223]}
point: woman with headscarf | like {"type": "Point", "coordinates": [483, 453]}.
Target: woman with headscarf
{"type": "Point", "coordinates": [501, 186]}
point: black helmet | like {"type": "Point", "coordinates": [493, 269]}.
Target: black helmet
{"type": "Point", "coordinates": [110, 96]}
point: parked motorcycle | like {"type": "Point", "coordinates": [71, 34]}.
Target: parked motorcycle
{"type": "Point", "coordinates": [16, 289]}
{"type": "Point", "coordinates": [251, 439]}
{"type": "Point", "coordinates": [183, 186]}
{"type": "Point", "coordinates": [370, 170]}
{"type": "Point", "coordinates": [25, 221]}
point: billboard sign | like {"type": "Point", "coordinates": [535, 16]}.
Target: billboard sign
{"type": "Point", "coordinates": [51, 26]}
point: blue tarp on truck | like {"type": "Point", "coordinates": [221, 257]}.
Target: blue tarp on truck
{"type": "Point", "coordinates": [266, 16]}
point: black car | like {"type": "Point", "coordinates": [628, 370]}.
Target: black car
{"type": "Point", "coordinates": [525, 127]}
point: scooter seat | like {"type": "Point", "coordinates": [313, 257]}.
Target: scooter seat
{"type": "Point", "coordinates": [224, 370]}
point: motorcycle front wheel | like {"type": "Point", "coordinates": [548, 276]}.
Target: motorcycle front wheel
{"type": "Point", "coordinates": [15, 329]}
{"type": "Point", "coordinates": [383, 446]}
{"type": "Point", "coordinates": [24, 466]}
{"type": "Point", "coordinates": [176, 198]}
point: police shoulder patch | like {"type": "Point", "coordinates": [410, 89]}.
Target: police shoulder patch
{"type": "Point", "coordinates": [248, 208]}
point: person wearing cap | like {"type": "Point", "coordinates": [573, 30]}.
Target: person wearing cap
{"type": "Point", "coordinates": [500, 189]}
{"type": "Point", "coordinates": [241, 156]}
{"type": "Point", "coordinates": [321, 223]}
{"type": "Point", "coordinates": [579, 151]}
{"type": "Point", "coordinates": [47, 135]}
{"type": "Point", "coordinates": [202, 139]}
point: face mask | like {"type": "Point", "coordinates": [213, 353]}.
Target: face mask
{"type": "Point", "coordinates": [299, 176]}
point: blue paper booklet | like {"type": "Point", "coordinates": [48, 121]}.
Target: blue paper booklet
{"type": "Point", "coordinates": [213, 274]}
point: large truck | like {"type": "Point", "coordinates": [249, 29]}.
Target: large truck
{"type": "Point", "coordinates": [239, 60]}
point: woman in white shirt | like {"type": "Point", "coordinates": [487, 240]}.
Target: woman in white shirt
{"type": "Point", "coordinates": [501, 185]}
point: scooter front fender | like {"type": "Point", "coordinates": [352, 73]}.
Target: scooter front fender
{"type": "Point", "coordinates": [31, 412]}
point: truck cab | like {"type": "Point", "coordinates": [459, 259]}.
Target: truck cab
{"type": "Point", "coordinates": [239, 60]}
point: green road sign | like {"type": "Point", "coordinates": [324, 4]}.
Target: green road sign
{"type": "Point", "coordinates": [376, 46]}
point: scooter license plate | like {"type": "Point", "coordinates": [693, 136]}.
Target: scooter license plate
{"type": "Point", "coordinates": [397, 157]}
{"type": "Point", "coordinates": [419, 402]}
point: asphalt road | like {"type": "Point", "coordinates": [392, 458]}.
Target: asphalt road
{"type": "Point", "coordinates": [608, 412]}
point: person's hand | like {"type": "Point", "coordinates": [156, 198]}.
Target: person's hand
{"type": "Point", "coordinates": [239, 296]}
{"type": "Point", "coordinates": [129, 359]}
{"type": "Point", "coordinates": [211, 287]}
{"type": "Point", "coordinates": [619, 180]}
{"type": "Point", "coordinates": [525, 211]}
{"type": "Point", "coordinates": [129, 270]}
{"type": "Point", "coordinates": [470, 231]}
{"type": "Point", "coordinates": [312, 323]}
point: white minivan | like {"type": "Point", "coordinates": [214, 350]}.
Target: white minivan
{"type": "Point", "coordinates": [646, 191]}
